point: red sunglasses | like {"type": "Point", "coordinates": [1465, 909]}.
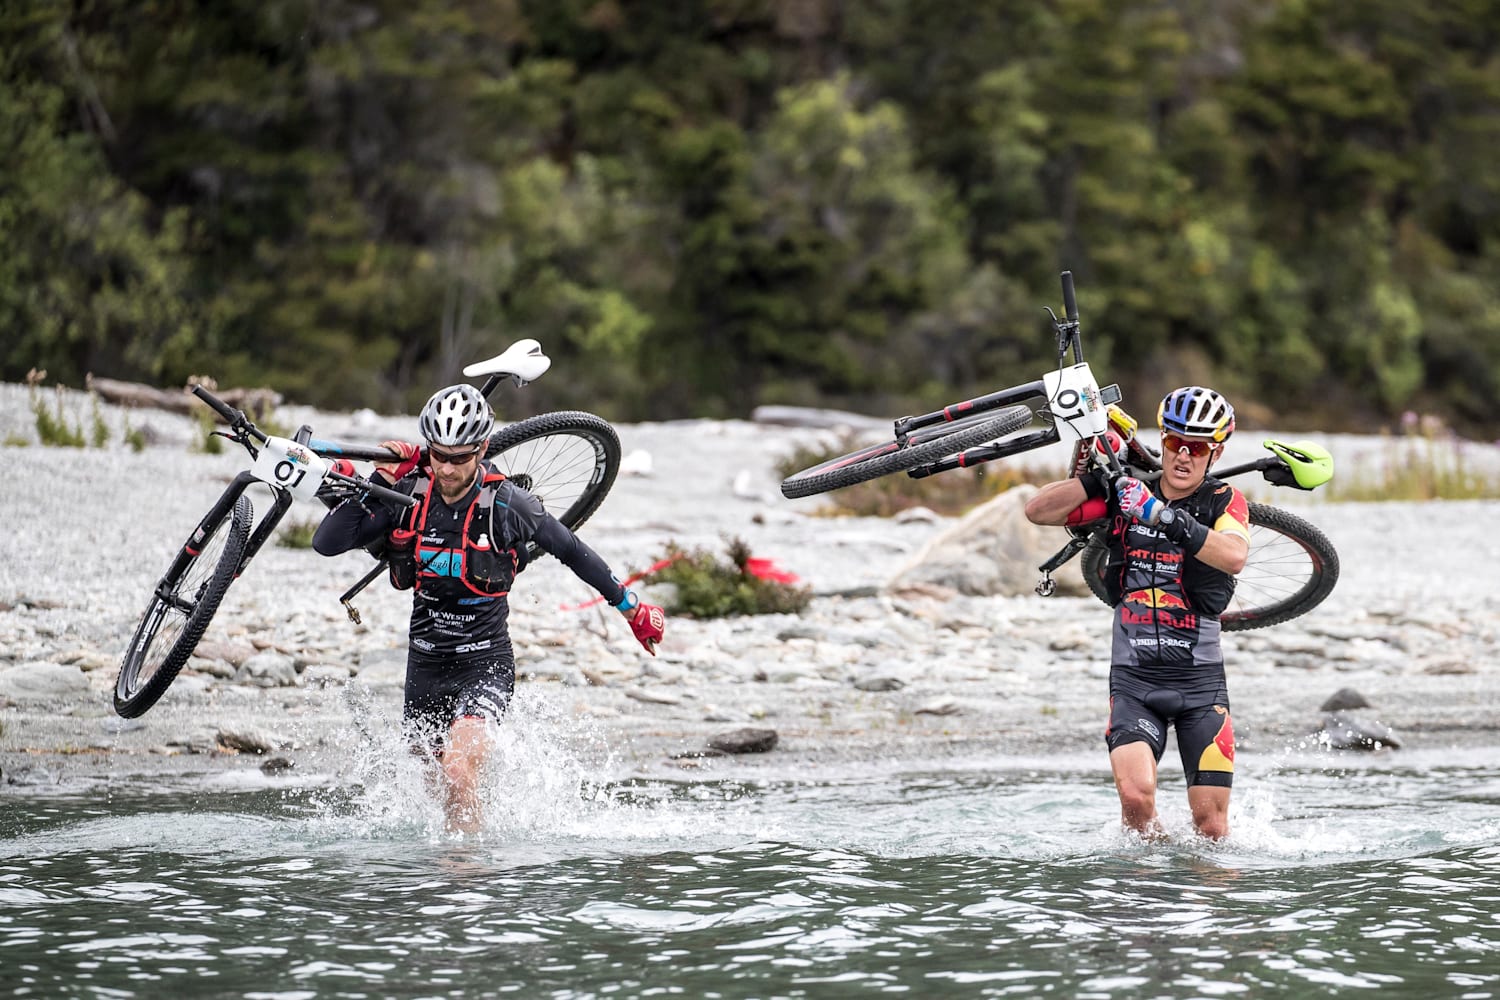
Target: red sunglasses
{"type": "Point", "coordinates": [450, 457]}
{"type": "Point", "coordinates": [1172, 444]}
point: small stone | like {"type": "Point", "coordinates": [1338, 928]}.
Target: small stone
{"type": "Point", "coordinates": [744, 741]}
{"type": "Point", "coordinates": [1344, 699]}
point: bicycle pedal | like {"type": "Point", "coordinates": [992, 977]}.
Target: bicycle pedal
{"type": "Point", "coordinates": [352, 611]}
{"type": "Point", "coordinates": [1046, 587]}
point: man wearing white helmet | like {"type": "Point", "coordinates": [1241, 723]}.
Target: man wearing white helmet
{"type": "Point", "coordinates": [459, 550]}
{"type": "Point", "coordinates": [1174, 548]}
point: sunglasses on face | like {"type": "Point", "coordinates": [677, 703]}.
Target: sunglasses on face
{"type": "Point", "coordinates": [1172, 444]}
{"type": "Point", "coordinates": [450, 457]}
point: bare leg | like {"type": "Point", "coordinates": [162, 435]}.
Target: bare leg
{"type": "Point", "coordinates": [1210, 806]}
{"type": "Point", "coordinates": [1134, 767]}
{"type": "Point", "coordinates": [463, 755]}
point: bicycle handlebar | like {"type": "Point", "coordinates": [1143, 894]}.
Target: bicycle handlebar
{"type": "Point", "coordinates": [1070, 299]}
{"type": "Point", "coordinates": [234, 418]}
{"type": "Point", "coordinates": [369, 486]}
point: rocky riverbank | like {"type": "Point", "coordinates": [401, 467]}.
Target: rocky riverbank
{"type": "Point", "coordinates": [865, 673]}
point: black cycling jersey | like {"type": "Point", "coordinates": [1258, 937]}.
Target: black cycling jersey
{"type": "Point", "coordinates": [1167, 616]}
{"type": "Point", "coordinates": [451, 624]}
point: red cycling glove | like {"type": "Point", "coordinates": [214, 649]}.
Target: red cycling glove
{"type": "Point", "coordinates": [342, 466]}
{"type": "Point", "coordinates": [647, 621]}
{"type": "Point", "coordinates": [410, 456]}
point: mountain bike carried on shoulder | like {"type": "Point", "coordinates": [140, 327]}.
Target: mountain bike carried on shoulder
{"type": "Point", "coordinates": [1291, 568]}
{"type": "Point", "coordinates": [567, 459]}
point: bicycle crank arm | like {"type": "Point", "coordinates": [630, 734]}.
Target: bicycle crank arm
{"type": "Point", "coordinates": [348, 596]}
{"type": "Point", "coordinates": [1047, 586]}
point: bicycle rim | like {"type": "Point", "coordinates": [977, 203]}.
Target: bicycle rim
{"type": "Point", "coordinates": [567, 460]}
{"type": "Point", "coordinates": [1292, 567]}
{"type": "Point", "coordinates": [921, 448]}
{"type": "Point", "coordinates": [179, 611]}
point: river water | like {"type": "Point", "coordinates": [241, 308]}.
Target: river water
{"type": "Point", "coordinates": [965, 876]}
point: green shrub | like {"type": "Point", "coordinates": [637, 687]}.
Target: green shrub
{"type": "Point", "coordinates": [709, 587]}
{"type": "Point", "coordinates": [948, 493]}
{"type": "Point", "coordinates": [296, 534]}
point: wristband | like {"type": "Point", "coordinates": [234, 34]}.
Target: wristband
{"type": "Point", "coordinates": [1183, 528]}
{"type": "Point", "coordinates": [628, 603]}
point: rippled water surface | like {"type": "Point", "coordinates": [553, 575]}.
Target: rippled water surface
{"type": "Point", "coordinates": [981, 877]}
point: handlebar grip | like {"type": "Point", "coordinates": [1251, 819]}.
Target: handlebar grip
{"type": "Point", "coordinates": [230, 414]}
{"type": "Point", "coordinates": [1070, 300]}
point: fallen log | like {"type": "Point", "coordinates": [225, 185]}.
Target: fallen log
{"type": "Point", "coordinates": [257, 402]}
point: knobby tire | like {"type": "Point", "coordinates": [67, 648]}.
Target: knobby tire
{"type": "Point", "coordinates": [921, 448]}
{"type": "Point", "coordinates": [568, 460]}
{"type": "Point", "coordinates": [179, 611]}
{"type": "Point", "coordinates": [1292, 567]}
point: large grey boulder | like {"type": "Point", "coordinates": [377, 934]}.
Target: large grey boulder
{"type": "Point", "coordinates": [992, 551]}
{"type": "Point", "coordinates": [40, 680]}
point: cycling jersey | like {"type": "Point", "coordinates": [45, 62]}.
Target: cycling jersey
{"type": "Point", "coordinates": [1168, 605]}
{"type": "Point", "coordinates": [451, 623]}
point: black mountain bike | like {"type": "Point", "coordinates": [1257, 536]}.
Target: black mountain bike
{"type": "Point", "coordinates": [567, 459]}
{"type": "Point", "coordinates": [1292, 566]}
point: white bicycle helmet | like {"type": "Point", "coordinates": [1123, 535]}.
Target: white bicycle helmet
{"type": "Point", "coordinates": [457, 416]}
{"type": "Point", "coordinates": [1196, 412]}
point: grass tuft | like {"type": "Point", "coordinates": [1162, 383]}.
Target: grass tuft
{"type": "Point", "coordinates": [52, 425]}
{"type": "Point", "coordinates": [296, 534]}
{"type": "Point", "coordinates": [1427, 461]}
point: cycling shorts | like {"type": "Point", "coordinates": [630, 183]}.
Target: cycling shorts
{"type": "Point", "coordinates": [437, 695]}
{"type": "Point", "coordinates": [1205, 733]}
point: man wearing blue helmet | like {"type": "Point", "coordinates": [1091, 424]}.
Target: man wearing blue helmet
{"type": "Point", "coordinates": [1173, 551]}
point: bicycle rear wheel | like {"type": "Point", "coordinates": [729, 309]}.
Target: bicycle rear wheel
{"type": "Point", "coordinates": [1292, 567]}
{"type": "Point", "coordinates": [921, 448]}
{"type": "Point", "coordinates": [181, 608]}
{"type": "Point", "coordinates": [567, 460]}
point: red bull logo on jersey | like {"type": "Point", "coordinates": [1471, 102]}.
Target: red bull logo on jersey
{"type": "Point", "coordinates": [1155, 597]}
{"type": "Point", "coordinates": [1161, 607]}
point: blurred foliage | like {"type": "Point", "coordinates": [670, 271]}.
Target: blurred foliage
{"type": "Point", "coordinates": [708, 586]}
{"type": "Point", "coordinates": [702, 206]}
{"type": "Point", "coordinates": [948, 493]}
{"type": "Point", "coordinates": [1425, 461]}
{"type": "Point", "coordinates": [297, 534]}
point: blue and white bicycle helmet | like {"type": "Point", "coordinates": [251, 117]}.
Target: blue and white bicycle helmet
{"type": "Point", "coordinates": [1196, 412]}
{"type": "Point", "coordinates": [456, 417]}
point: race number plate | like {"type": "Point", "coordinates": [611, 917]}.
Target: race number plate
{"type": "Point", "coordinates": [290, 466]}
{"type": "Point", "coordinates": [1073, 398]}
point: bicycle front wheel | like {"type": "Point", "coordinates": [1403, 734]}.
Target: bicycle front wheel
{"type": "Point", "coordinates": [181, 608]}
{"type": "Point", "coordinates": [1292, 567]}
{"type": "Point", "coordinates": [567, 460]}
{"type": "Point", "coordinates": [920, 448]}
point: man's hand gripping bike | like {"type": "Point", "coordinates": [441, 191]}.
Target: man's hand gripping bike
{"type": "Point", "coordinates": [1292, 566]}
{"type": "Point", "coordinates": [568, 459]}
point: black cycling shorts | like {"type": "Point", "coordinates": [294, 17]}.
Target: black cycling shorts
{"type": "Point", "coordinates": [1205, 733]}
{"type": "Point", "coordinates": [439, 694]}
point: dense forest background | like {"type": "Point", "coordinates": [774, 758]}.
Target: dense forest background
{"type": "Point", "coordinates": [702, 205]}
